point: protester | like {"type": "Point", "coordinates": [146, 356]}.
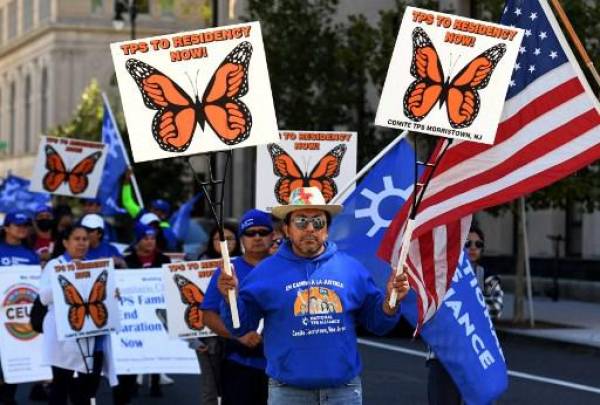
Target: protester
{"type": "Point", "coordinates": [490, 284]}
{"type": "Point", "coordinates": [63, 218]}
{"type": "Point", "coordinates": [158, 207]}
{"type": "Point", "coordinates": [67, 356]}
{"type": "Point", "coordinates": [311, 350]}
{"type": "Point", "coordinates": [14, 251]}
{"type": "Point", "coordinates": [243, 378]}
{"type": "Point", "coordinates": [278, 237]}
{"type": "Point", "coordinates": [99, 248]}
{"type": "Point", "coordinates": [210, 350]}
{"type": "Point", "coordinates": [43, 238]}
{"type": "Point", "coordinates": [441, 388]}
{"type": "Point", "coordinates": [144, 255]}
{"type": "Point", "coordinates": [94, 206]}
{"type": "Point", "coordinates": [166, 239]}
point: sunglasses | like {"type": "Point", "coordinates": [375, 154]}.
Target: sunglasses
{"type": "Point", "coordinates": [317, 222]}
{"type": "Point", "coordinates": [478, 244]}
{"type": "Point", "coordinates": [258, 232]}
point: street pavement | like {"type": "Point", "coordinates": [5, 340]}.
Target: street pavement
{"type": "Point", "coordinates": [394, 373]}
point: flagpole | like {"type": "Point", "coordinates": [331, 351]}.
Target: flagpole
{"type": "Point", "coordinates": [580, 48]}
{"type": "Point", "coordinates": [136, 189]}
{"type": "Point", "coordinates": [527, 264]}
{"type": "Point", "coordinates": [368, 167]}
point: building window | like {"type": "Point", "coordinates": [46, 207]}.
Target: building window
{"type": "Point", "coordinates": [97, 6]}
{"type": "Point", "coordinates": [166, 8]}
{"type": "Point", "coordinates": [45, 7]}
{"type": "Point", "coordinates": [44, 109]}
{"type": "Point", "coordinates": [12, 19]}
{"type": "Point", "coordinates": [12, 112]}
{"type": "Point", "coordinates": [27, 99]}
{"type": "Point", "coordinates": [27, 15]}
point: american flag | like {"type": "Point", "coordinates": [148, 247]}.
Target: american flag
{"type": "Point", "coordinates": [550, 128]}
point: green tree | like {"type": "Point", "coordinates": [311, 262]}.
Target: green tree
{"type": "Point", "coordinates": [86, 122]}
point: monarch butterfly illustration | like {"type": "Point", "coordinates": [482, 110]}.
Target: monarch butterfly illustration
{"type": "Point", "coordinates": [192, 296]}
{"type": "Point", "coordinates": [460, 94]}
{"type": "Point", "coordinates": [292, 177]}
{"type": "Point", "coordinates": [174, 124]}
{"type": "Point", "coordinates": [76, 178]}
{"type": "Point", "coordinates": [79, 309]}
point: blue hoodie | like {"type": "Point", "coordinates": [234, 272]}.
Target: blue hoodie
{"type": "Point", "coordinates": [310, 307]}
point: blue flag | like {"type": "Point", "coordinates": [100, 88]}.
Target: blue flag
{"type": "Point", "coordinates": [460, 334]}
{"type": "Point", "coordinates": [115, 166]}
{"type": "Point", "coordinates": [15, 196]}
{"type": "Point", "coordinates": [180, 219]}
{"type": "Point", "coordinates": [369, 210]}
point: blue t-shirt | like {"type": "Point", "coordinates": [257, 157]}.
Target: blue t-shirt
{"type": "Point", "coordinates": [212, 301]}
{"type": "Point", "coordinates": [13, 255]}
{"type": "Point", "coordinates": [103, 250]}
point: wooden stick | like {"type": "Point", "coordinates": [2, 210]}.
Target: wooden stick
{"type": "Point", "coordinates": [235, 316]}
{"type": "Point", "coordinates": [573, 35]}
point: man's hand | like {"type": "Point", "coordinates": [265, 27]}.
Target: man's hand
{"type": "Point", "coordinates": [226, 283]}
{"type": "Point", "coordinates": [400, 284]}
{"type": "Point", "coordinates": [250, 339]}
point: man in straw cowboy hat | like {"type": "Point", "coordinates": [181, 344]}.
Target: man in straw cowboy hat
{"type": "Point", "coordinates": [311, 297]}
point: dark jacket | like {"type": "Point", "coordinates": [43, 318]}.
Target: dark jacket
{"type": "Point", "coordinates": [133, 261]}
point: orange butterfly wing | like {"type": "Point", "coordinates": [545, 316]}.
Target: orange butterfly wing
{"type": "Point", "coordinates": [57, 171]}
{"type": "Point", "coordinates": [463, 102]}
{"type": "Point", "coordinates": [228, 116]}
{"type": "Point", "coordinates": [290, 175]}
{"type": "Point", "coordinates": [326, 169]}
{"type": "Point", "coordinates": [78, 176]}
{"type": "Point", "coordinates": [192, 296]}
{"type": "Point", "coordinates": [423, 93]}
{"type": "Point", "coordinates": [96, 308]}
{"type": "Point", "coordinates": [174, 124]}
{"type": "Point", "coordinates": [77, 307]}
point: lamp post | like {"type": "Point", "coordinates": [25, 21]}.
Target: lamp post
{"type": "Point", "coordinates": [122, 6]}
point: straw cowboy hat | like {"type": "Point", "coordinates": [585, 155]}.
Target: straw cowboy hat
{"type": "Point", "coordinates": [304, 198]}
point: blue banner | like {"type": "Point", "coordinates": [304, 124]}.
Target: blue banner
{"type": "Point", "coordinates": [115, 166]}
{"type": "Point", "coordinates": [461, 334]}
{"type": "Point", "coordinates": [15, 196]}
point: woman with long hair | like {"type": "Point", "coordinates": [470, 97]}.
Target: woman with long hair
{"type": "Point", "coordinates": [84, 356]}
{"type": "Point", "coordinates": [210, 350]}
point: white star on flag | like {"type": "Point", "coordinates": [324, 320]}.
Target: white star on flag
{"type": "Point", "coordinates": [543, 35]}
{"type": "Point", "coordinates": [528, 33]}
{"type": "Point", "coordinates": [533, 16]}
{"type": "Point", "coordinates": [553, 55]}
{"type": "Point", "coordinates": [518, 11]}
{"type": "Point", "coordinates": [537, 51]}
{"type": "Point", "coordinates": [531, 68]}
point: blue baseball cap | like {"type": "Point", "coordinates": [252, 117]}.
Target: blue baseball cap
{"type": "Point", "coordinates": [253, 218]}
{"type": "Point", "coordinates": [161, 205]}
{"type": "Point", "coordinates": [43, 209]}
{"type": "Point", "coordinates": [17, 218]}
{"type": "Point", "coordinates": [141, 231]}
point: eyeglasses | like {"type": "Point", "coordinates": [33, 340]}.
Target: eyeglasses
{"type": "Point", "coordinates": [478, 244]}
{"type": "Point", "coordinates": [256, 232]}
{"type": "Point", "coordinates": [302, 222]}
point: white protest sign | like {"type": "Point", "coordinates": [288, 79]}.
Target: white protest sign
{"type": "Point", "coordinates": [71, 167]}
{"type": "Point", "coordinates": [84, 299]}
{"type": "Point", "coordinates": [326, 160]}
{"type": "Point", "coordinates": [195, 92]}
{"type": "Point", "coordinates": [142, 345]}
{"type": "Point", "coordinates": [20, 345]}
{"type": "Point", "coordinates": [455, 80]}
{"type": "Point", "coordinates": [185, 285]}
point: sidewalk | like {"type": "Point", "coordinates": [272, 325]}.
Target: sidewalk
{"type": "Point", "coordinates": [579, 321]}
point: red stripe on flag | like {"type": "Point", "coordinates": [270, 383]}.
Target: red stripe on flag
{"type": "Point", "coordinates": [426, 251]}
{"type": "Point", "coordinates": [534, 150]}
{"type": "Point", "coordinates": [525, 186]}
